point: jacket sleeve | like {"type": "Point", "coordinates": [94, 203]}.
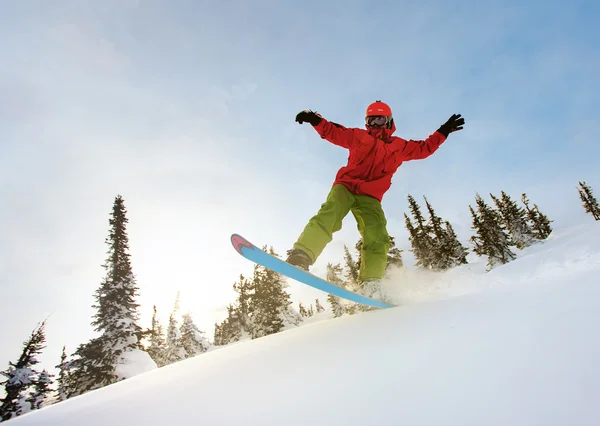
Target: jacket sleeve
{"type": "Point", "coordinates": [336, 133]}
{"type": "Point", "coordinates": [418, 150]}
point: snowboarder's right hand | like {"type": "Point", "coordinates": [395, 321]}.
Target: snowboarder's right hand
{"type": "Point", "coordinates": [309, 117]}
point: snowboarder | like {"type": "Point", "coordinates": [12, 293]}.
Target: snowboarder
{"type": "Point", "coordinates": [374, 156]}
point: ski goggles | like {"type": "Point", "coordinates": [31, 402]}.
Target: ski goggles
{"type": "Point", "coordinates": [376, 120]}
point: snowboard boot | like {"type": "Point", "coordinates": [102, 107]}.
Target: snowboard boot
{"type": "Point", "coordinates": [299, 258]}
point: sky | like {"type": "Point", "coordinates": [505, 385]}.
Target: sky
{"type": "Point", "coordinates": [186, 109]}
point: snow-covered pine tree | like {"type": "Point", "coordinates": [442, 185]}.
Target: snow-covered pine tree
{"type": "Point", "coordinates": [514, 220]}
{"type": "Point", "coordinates": [270, 304]}
{"type": "Point", "coordinates": [92, 366]}
{"type": "Point", "coordinates": [193, 340]}
{"type": "Point", "coordinates": [302, 310]}
{"type": "Point", "coordinates": [455, 251]}
{"type": "Point", "coordinates": [238, 322]}
{"type": "Point", "coordinates": [491, 239]}
{"type": "Point", "coordinates": [318, 306]}
{"type": "Point", "coordinates": [590, 204]}
{"type": "Point", "coordinates": [540, 223]}
{"type": "Point", "coordinates": [434, 242]}
{"type": "Point", "coordinates": [63, 377]}
{"type": "Point", "coordinates": [95, 364]}
{"type": "Point", "coordinates": [419, 235]}
{"type": "Point", "coordinates": [174, 349]}
{"type": "Point", "coordinates": [439, 255]}
{"type": "Point", "coordinates": [157, 341]}
{"type": "Point", "coordinates": [21, 376]}
{"type": "Point", "coordinates": [40, 395]}
{"type": "Point", "coordinates": [229, 330]}
{"type": "Point", "coordinates": [334, 276]}
{"type": "Point", "coordinates": [117, 310]}
{"type": "Point", "coordinates": [245, 290]}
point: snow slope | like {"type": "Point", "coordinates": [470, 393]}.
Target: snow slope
{"type": "Point", "coordinates": [516, 346]}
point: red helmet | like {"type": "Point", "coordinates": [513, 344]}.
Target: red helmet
{"type": "Point", "coordinates": [380, 110]}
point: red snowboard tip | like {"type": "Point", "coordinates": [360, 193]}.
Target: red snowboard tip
{"type": "Point", "coordinates": [240, 242]}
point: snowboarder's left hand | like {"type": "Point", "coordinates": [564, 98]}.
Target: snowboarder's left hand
{"type": "Point", "coordinates": [454, 123]}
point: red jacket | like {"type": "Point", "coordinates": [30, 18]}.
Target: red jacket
{"type": "Point", "coordinates": [374, 155]}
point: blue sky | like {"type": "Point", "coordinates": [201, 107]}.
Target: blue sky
{"type": "Point", "coordinates": [186, 109]}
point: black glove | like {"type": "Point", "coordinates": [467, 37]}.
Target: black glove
{"type": "Point", "coordinates": [309, 117]}
{"type": "Point", "coordinates": [454, 123]}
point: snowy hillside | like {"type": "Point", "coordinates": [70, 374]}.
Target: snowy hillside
{"type": "Point", "coordinates": [515, 346]}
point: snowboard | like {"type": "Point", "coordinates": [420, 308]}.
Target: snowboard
{"type": "Point", "coordinates": [260, 257]}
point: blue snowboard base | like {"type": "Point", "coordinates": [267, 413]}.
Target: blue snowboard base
{"type": "Point", "coordinates": [256, 255]}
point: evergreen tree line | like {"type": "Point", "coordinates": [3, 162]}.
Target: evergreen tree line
{"type": "Point", "coordinates": [179, 342]}
{"type": "Point", "coordinates": [436, 247]}
{"type": "Point", "coordinates": [497, 228]}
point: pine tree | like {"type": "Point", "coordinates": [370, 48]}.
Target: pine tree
{"type": "Point", "coordinates": [540, 224]}
{"type": "Point", "coordinates": [193, 340]}
{"type": "Point", "coordinates": [445, 251]}
{"type": "Point", "coordinates": [92, 366]}
{"type": "Point", "coordinates": [514, 221]}
{"type": "Point", "coordinates": [590, 204]}
{"type": "Point", "coordinates": [456, 253]}
{"type": "Point", "coordinates": [270, 304]}
{"type": "Point", "coordinates": [174, 349]}
{"type": "Point", "coordinates": [245, 291]}
{"type": "Point", "coordinates": [158, 344]}
{"type": "Point", "coordinates": [229, 330]}
{"type": "Point", "coordinates": [39, 397]}
{"type": "Point", "coordinates": [420, 238]}
{"type": "Point", "coordinates": [434, 242]}
{"type": "Point", "coordinates": [117, 310]}
{"type": "Point", "coordinates": [237, 325]}
{"type": "Point", "coordinates": [318, 306]}
{"type": "Point", "coordinates": [302, 310]}
{"type": "Point", "coordinates": [334, 276]}
{"type": "Point", "coordinates": [63, 376]}
{"type": "Point", "coordinates": [491, 239]}
{"type": "Point", "coordinates": [116, 317]}
{"type": "Point", "coordinates": [21, 377]}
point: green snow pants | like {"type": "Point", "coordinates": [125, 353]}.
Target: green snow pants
{"type": "Point", "coordinates": [371, 224]}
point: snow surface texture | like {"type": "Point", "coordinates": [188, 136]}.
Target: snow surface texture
{"type": "Point", "coordinates": [515, 346]}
